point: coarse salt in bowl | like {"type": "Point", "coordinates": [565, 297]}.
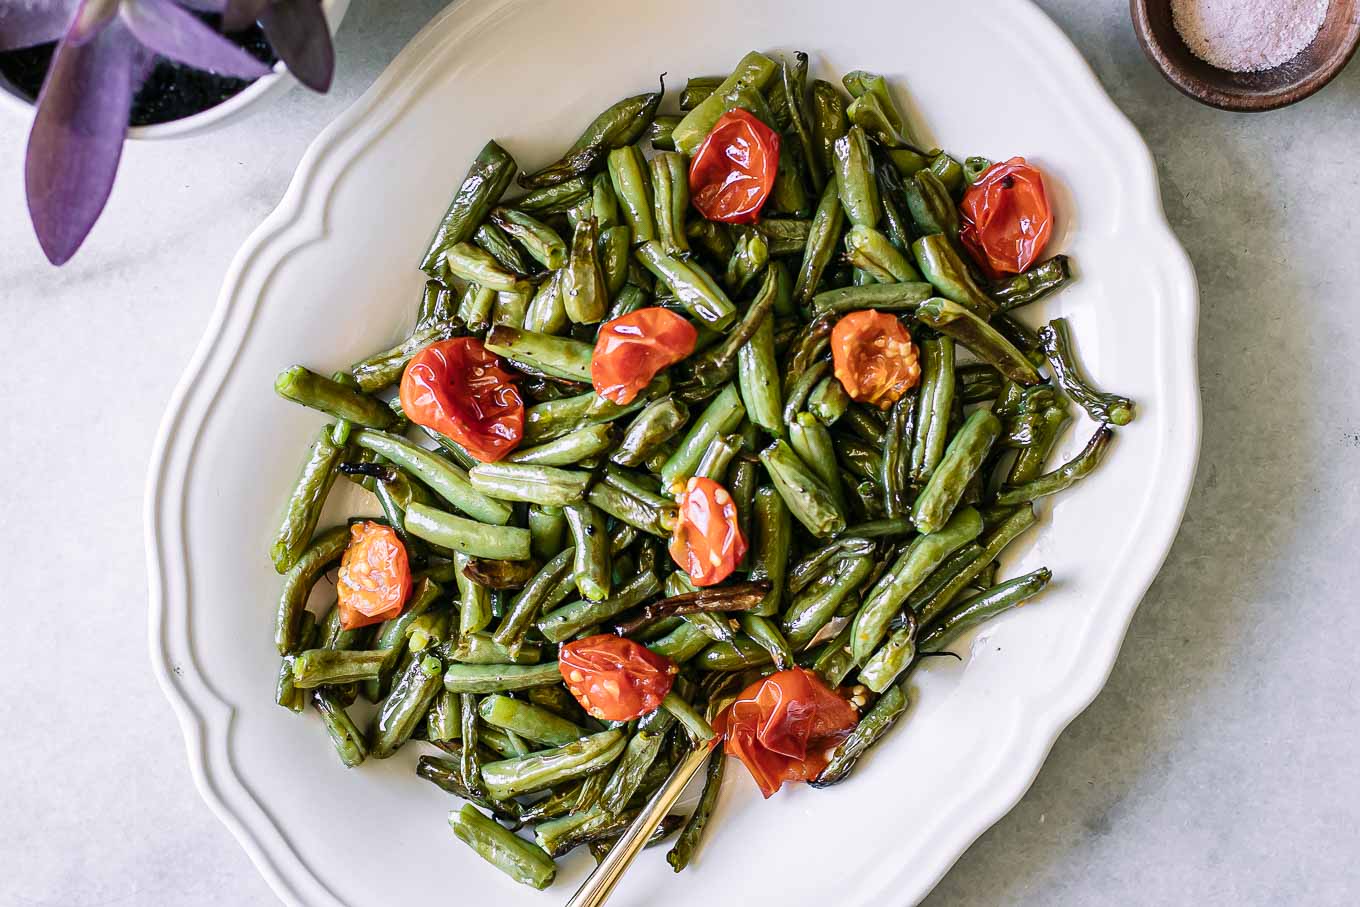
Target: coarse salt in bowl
{"type": "Point", "coordinates": [1248, 35]}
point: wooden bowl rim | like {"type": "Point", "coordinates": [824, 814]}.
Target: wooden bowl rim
{"type": "Point", "coordinates": [1227, 99]}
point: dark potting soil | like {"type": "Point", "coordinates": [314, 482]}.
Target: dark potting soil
{"type": "Point", "coordinates": [171, 92]}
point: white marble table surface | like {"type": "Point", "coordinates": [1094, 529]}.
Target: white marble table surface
{"type": "Point", "coordinates": [1219, 764]}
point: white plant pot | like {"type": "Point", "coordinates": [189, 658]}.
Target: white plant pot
{"type": "Point", "coordinates": [233, 108]}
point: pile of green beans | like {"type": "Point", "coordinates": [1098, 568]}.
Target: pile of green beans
{"type": "Point", "coordinates": [873, 534]}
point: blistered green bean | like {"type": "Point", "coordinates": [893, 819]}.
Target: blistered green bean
{"type": "Point", "coordinates": [303, 510]}
{"type": "Point", "coordinates": [808, 498]}
{"type": "Point", "coordinates": [823, 237]}
{"type": "Point", "coordinates": [828, 123]}
{"type": "Point", "coordinates": [696, 291]}
{"type": "Point", "coordinates": [957, 321]}
{"type": "Point", "coordinates": [591, 551]}
{"type": "Point", "coordinates": [754, 72]}
{"type": "Point", "coordinates": [910, 569]}
{"type": "Point", "coordinates": [585, 296]}
{"type": "Point", "coordinates": [945, 269]}
{"type": "Point", "coordinates": [487, 179]}
{"type": "Point", "coordinates": [323, 551]}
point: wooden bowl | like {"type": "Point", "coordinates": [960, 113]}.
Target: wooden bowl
{"type": "Point", "coordinates": [1266, 90]}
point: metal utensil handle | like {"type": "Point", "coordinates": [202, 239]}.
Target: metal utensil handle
{"type": "Point", "coordinates": [600, 884]}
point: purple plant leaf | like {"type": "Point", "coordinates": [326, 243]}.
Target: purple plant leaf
{"type": "Point", "coordinates": [298, 33]}
{"type": "Point", "coordinates": [90, 18]}
{"type": "Point", "coordinates": [239, 14]}
{"type": "Point", "coordinates": [170, 31]}
{"type": "Point", "coordinates": [24, 23]}
{"type": "Point", "coordinates": [77, 136]}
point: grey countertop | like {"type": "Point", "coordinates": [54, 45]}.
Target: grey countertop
{"type": "Point", "coordinates": [1217, 767]}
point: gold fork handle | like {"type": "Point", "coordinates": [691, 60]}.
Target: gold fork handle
{"type": "Point", "coordinates": [600, 884]}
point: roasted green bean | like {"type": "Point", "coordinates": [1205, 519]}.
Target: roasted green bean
{"type": "Point", "coordinates": [1065, 476]}
{"type": "Point", "coordinates": [829, 123]}
{"type": "Point", "coordinates": [565, 622]}
{"type": "Point", "coordinates": [963, 458]}
{"type": "Point", "coordinates": [623, 123]}
{"type": "Point", "coordinates": [528, 720]}
{"type": "Point", "coordinates": [483, 186]}
{"type": "Point", "coordinates": [808, 498]}
{"type": "Point", "coordinates": [546, 768]}
{"type": "Point", "coordinates": [547, 486]}
{"type": "Point", "coordinates": [456, 533]}
{"type": "Point", "coordinates": [408, 702]}
{"type": "Point", "coordinates": [753, 73]}
{"type": "Point", "coordinates": [983, 607]}
{"type": "Point", "coordinates": [944, 268]}
{"type": "Point", "coordinates": [948, 317]}
{"type": "Point", "coordinates": [324, 550]}
{"type": "Point", "coordinates": [303, 510]}
{"type": "Point", "coordinates": [461, 678]}
{"type": "Point", "coordinates": [446, 775]}
{"type": "Point", "coordinates": [856, 186]}
{"type": "Point", "coordinates": [443, 478]}
{"type": "Point", "coordinates": [657, 423]}
{"type": "Point", "coordinates": [590, 566]}
{"type": "Point", "coordinates": [521, 860]}
{"type": "Point", "coordinates": [871, 728]}
{"type": "Point", "coordinates": [682, 851]}
{"type": "Point", "coordinates": [696, 291]}
{"type": "Point", "coordinates": [911, 569]}
{"type": "Point", "coordinates": [1056, 341]}
{"type": "Point", "coordinates": [383, 369]}
{"type": "Point", "coordinates": [934, 405]}
{"type": "Point", "coordinates": [306, 387]}
{"type": "Point", "coordinates": [1034, 284]}
{"type": "Point", "coordinates": [822, 241]}
{"type": "Point", "coordinates": [585, 296]}
{"type": "Point", "coordinates": [344, 733]}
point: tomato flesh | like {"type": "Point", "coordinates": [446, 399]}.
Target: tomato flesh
{"type": "Point", "coordinates": [783, 726]}
{"type": "Point", "coordinates": [459, 388]}
{"type": "Point", "coordinates": [631, 349]}
{"type": "Point", "coordinates": [375, 576]}
{"type": "Point", "coordinates": [707, 543]}
{"type": "Point", "coordinates": [874, 358]}
{"type": "Point", "coordinates": [1006, 220]}
{"type": "Point", "coordinates": [615, 679]}
{"type": "Point", "coordinates": [733, 171]}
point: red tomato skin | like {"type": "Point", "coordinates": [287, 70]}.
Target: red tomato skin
{"type": "Point", "coordinates": [732, 173]}
{"type": "Point", "coordinates": [615, 679]}
{"type": "Point", "coordinates": [459, 388]}
{"type": "Point", "coordinates": [871, 371]}
{"type": "Point", "coordinates": [1006, 218]}
{"type": "Point", "coordinates": [782, 726]}
{"type": "Point", "coordinates": [707, 543]}
{"type": "Point", "coordinates": [631, 349]}
{"type": "Point", "coordinates": [374, 581]}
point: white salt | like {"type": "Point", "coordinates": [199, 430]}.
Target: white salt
{"type": "Point", "coordinates": [1248, 35]}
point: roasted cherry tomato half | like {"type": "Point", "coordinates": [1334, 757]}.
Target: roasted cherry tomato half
{"type": "Point", "coordinates": [707, 542]}
{"type": "Point", "coordinates": [615, 679]}
{"type": "Point", "coordinates": [631, 349]}
{"type": "Point", "coordinates": [1006, 219]}
{"type": "Point", "coordinates": [375, 576]}
{"type": "Point", "coordinates": [783, 726]}
{"type": "Point", "coordinates": [458, 388]}
{"type": "Point", "coordinates": [875, 360]}
{"type": "Point", "coordinates": [733, 171]}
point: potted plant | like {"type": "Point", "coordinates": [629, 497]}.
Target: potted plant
{"type": "Point", "coordinates": [100, 71]}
